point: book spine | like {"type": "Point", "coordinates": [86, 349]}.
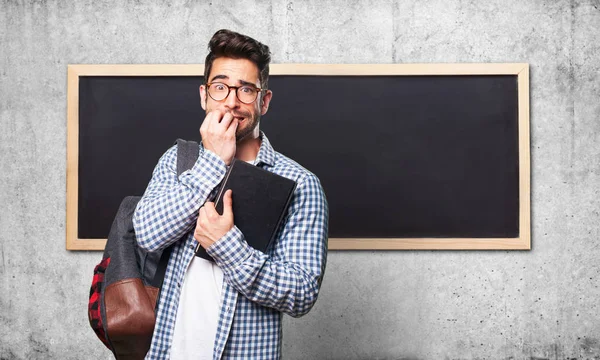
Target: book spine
{"type": "Point", "coordinates": [287, 205]}
{"type": "Point", "coordinates": [224, 184]}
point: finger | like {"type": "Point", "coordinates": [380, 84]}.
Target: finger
{"type": "Point", "coordinates": [211, 212]}
{"type": "Point", "coordinates": [199, 223]}
{"type": "Point", "coordinates": [206, 122]}
{"type": "Point", "coordinates": [225, 121]}
{"type": "Point", "coordinates": [233, 128]}
{"type": "Point", "coordinates": [216, 115]}
{"type": "Point", "coordinates": [213, 118]}
{"type": "Point", "coordinates": [201, 214]}
{"type": "Point", "coordinates": [228, 203]}
{"type": "Point", "coordinates": [204, 241]}
{"type": "Point", "coordinates": [203, 126]}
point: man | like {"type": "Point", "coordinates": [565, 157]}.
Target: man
{"type": "Point", "coordinates": [232, 307]}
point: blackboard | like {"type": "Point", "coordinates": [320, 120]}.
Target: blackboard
{"type": "Point", "coordinates": [435, 157]}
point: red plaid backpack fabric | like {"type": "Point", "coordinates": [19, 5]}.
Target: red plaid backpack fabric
{"type": "Point", "coordinates": [94, 303]}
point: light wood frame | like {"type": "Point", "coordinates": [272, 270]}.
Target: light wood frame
{"type": "Point", "coordinates": [521, 70]}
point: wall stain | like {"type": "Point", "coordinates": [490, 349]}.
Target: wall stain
{"type": "Point", "coordinates": [3, 260]}
{"type": "Point", "coordinates": [37, 347]}
{"type": "Point", "coordinates": [10, 356]}
{"type": "Point", "coordinates": [590, 346]}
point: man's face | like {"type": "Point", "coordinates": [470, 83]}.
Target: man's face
{"type": "Point", "coordinates": [237, 72]}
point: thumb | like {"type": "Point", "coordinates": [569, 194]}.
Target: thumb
{"type": "Point", "coordinates": [228, 203]}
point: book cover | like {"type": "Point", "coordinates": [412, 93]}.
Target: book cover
{"type": "Point", "coordinates": [260, 201]}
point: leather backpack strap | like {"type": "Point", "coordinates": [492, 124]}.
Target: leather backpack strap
{"type": "Point", "coordinates": [187, 154]}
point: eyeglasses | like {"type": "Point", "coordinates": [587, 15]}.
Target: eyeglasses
{"type": "Point", "coordinates": [246, 94]}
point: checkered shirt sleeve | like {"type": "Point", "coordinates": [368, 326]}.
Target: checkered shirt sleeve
{"type": "Point", "coordinates": [169, 207]}
{"type": "Point", "coordinates": [288, 281]}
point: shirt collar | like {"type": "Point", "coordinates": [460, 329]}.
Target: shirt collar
{"type": "Point", "coordinates": [266, 153]}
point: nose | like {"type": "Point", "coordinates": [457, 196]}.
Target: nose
{"type": "Point", "coordinates": [231, 101]}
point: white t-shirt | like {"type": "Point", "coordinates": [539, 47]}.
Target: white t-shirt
{"type": "Point", "coordinates": [200, 300]}
{"type": "Point", "coordinates": [198, 311]}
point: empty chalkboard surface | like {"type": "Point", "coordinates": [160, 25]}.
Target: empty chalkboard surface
{"type": "Point", "coordinates": [410, 156]}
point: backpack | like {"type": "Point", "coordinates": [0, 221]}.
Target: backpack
{"type": "Point", "coordinates": [126, 283]}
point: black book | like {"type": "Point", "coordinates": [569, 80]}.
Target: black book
{"type": "Point", "coordinates": [260, 200]}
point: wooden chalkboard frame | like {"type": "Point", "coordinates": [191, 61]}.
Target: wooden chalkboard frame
{"type": "Point", "coordinates": [521, 70]}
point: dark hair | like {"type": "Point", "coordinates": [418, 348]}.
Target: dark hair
{"type": "Point", "coordinates": [227, 43]}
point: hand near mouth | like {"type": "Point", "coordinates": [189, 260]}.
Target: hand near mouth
{"type": "Point", "coordinates": [218, 134]}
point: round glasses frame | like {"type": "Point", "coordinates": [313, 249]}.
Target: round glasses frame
{"type": "Point", "coordinates": [236, 88]}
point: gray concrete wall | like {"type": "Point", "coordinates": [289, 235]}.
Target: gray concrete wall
{"type": "Point", "coordinates": [539, 304]}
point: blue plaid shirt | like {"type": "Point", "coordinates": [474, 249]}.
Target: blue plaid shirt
{"type": "Point", "coordinates": [257, 287]}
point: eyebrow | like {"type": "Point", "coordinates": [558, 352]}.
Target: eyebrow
{"type": "Point", "coordinates": [218, 77]}
{"type": "Point", "coordinates": [225, 77]}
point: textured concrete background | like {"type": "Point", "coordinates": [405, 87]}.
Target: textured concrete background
{"type": "Point", "coordinates": [540, 304]}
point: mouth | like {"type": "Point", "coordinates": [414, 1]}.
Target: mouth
{"type": "Point", "coordinates": [239, 118]}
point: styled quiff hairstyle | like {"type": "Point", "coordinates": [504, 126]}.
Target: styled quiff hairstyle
{"type": "Point", "coordinates": [227, 43]}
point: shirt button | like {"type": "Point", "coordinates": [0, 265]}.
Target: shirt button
{"type": "Point", "coordinates": [178, 284]}
{"type": "Point", "coordinates": [191, 246]}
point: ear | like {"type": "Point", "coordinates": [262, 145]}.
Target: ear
{"type": "Point", "coordinates": [203, 97]}
{"type": "Point", "coordinates": [266, 100]}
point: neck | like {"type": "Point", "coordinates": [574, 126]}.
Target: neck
{"type": "Point", "coordinates": [248, 147]}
